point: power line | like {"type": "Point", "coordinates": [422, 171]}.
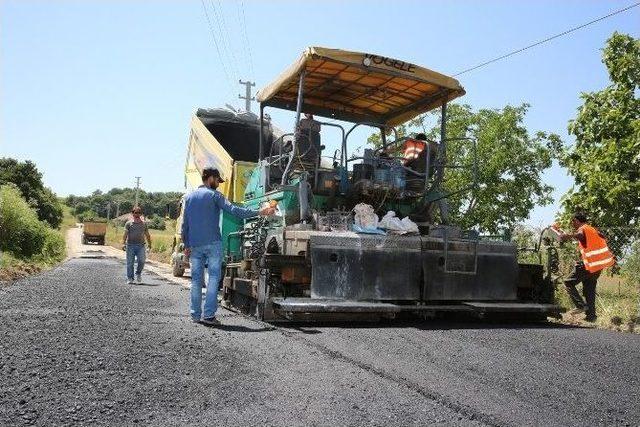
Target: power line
{"type": "Point", "coordinates": [215, 41]}
{"type": "Point", "coordinates": [240, 29]}
{"type": "Point", "coordinates": [564, 33]}
{"type": "Point", "coordinates": [240, 7]}
{"type": "Point", "coordinates": [228, 35]}
{"type": "Point", "coordinates": [222, 26]}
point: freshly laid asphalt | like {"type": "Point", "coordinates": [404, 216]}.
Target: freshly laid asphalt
{"type": "Point", "coordinates": [79, 346]}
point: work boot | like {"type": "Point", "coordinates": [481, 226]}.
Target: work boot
{"type": "Point", "coordinates": [138, 278]}
{"type": "Point", "coordinates": [210, 321]}
{"type": "Point", "coordinates": [129, 281]}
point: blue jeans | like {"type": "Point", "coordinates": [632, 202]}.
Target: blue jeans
{"type": "Point", "coordinates": [212, 256]}
{"type": "Point", "coordinates": [138, 251]}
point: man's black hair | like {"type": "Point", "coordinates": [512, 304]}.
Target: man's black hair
{"type": "Point", "coordinates": [580, 216]}
{"type": "Point", "coordinates": [421, 137]}
{"type": "Point", "coordinates": [207, 172]}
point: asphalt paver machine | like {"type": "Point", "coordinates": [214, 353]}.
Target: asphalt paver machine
{"type": "Point", "coordinates": [307, 263]}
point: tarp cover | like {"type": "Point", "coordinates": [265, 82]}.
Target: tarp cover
{"type": "Point", "coordinates": [360, 87]}
{"type": "Point", "coordinates": [225, 140]}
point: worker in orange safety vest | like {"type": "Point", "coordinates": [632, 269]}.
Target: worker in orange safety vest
{"type": "Point", "coordinates": [413, 148]}
{"type": "Point", "coordinates": [595, 256]}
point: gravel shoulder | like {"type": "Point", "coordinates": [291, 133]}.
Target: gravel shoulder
{"type": "Point", "coordinates": [78, 346]}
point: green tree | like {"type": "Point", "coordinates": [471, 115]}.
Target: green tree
{"type": "Point", "coordinates": [510, 164]}
{"type": "Point", "coordinates": [605, 159]}
{"type": "Point", "coordinates": [28, 179]}
{"type": "Point", "coordinates": [122, 200]}
{"type": "Point", "coordinates": [376, 140]}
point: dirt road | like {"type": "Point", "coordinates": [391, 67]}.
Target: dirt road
{"type": "Point", "coordinates": [77, 345]}
{"type": "Point", "coordinates": [76, 249]}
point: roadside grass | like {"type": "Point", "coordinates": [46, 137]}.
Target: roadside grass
{"type": "Point", "coordinates": [68, 220]}
{"type": "Point", "coordinates": [12, 268]}
{"type": "Point", "coordinates": [161, 240]}
{"type": "Point", "coordinates": [617, 304]}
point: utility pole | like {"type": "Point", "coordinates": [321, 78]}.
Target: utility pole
{"type": "Point", "coordinates": [115, 222]}
{"type": "Point", "coordinates": [137, 189]}
{"type": "Point", "coordinates": [247, 97]}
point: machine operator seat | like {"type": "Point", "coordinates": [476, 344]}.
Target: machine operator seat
{"type": "Point", "coordinates": [308, 143]}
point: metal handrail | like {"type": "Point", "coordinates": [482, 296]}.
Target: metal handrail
{"type": "Point", "coordinates": [474, 168]}
{"type": "Point", "coordinates": [343, 146]}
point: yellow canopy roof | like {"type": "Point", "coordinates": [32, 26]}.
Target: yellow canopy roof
{"type": "Point", "coordinates": [360, 87]}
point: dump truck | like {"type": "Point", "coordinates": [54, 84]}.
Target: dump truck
{"type": "Point", "coordinates": [226, 140]}
{"type": "Point", "coordinates": [94, 231]}
{"type": "Point", "coordinates": [314, 260]}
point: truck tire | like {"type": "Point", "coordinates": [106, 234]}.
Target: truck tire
{"type": "Point", "coordinates": [84, 239]}
{"type": "Point", "coordinates": [101, 241]}
{"type": "Point", "coordinates": [178, 269]}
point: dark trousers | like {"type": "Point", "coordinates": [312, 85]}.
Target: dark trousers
{"type": "Point", "coordinates": [589, 281]}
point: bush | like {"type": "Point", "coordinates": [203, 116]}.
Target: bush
{"type": "Point", "coordinates": [28, 180]}
{"type": "Point", "coordinates": [54, 248]}
{"type": "Point", "coordinates": [21, 232]}
{"type": "Point", "coordinates": [157, 223]}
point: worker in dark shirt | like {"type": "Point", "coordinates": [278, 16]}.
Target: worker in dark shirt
{"type": "Point", "coordinates": [135, 231]}
{"type": "Point", "coordinates": [595, 256]}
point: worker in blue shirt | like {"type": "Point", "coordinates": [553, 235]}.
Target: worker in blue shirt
{"type": "Point", "coordinates": [203, 242]}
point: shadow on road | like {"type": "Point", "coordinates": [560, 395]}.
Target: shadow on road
{"type": "Point", "coordinates": [447, 325]}
{"type": "Point", "coordinates": [238, 328]}
{"type": "Point", "coordinates": [316, 328]}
